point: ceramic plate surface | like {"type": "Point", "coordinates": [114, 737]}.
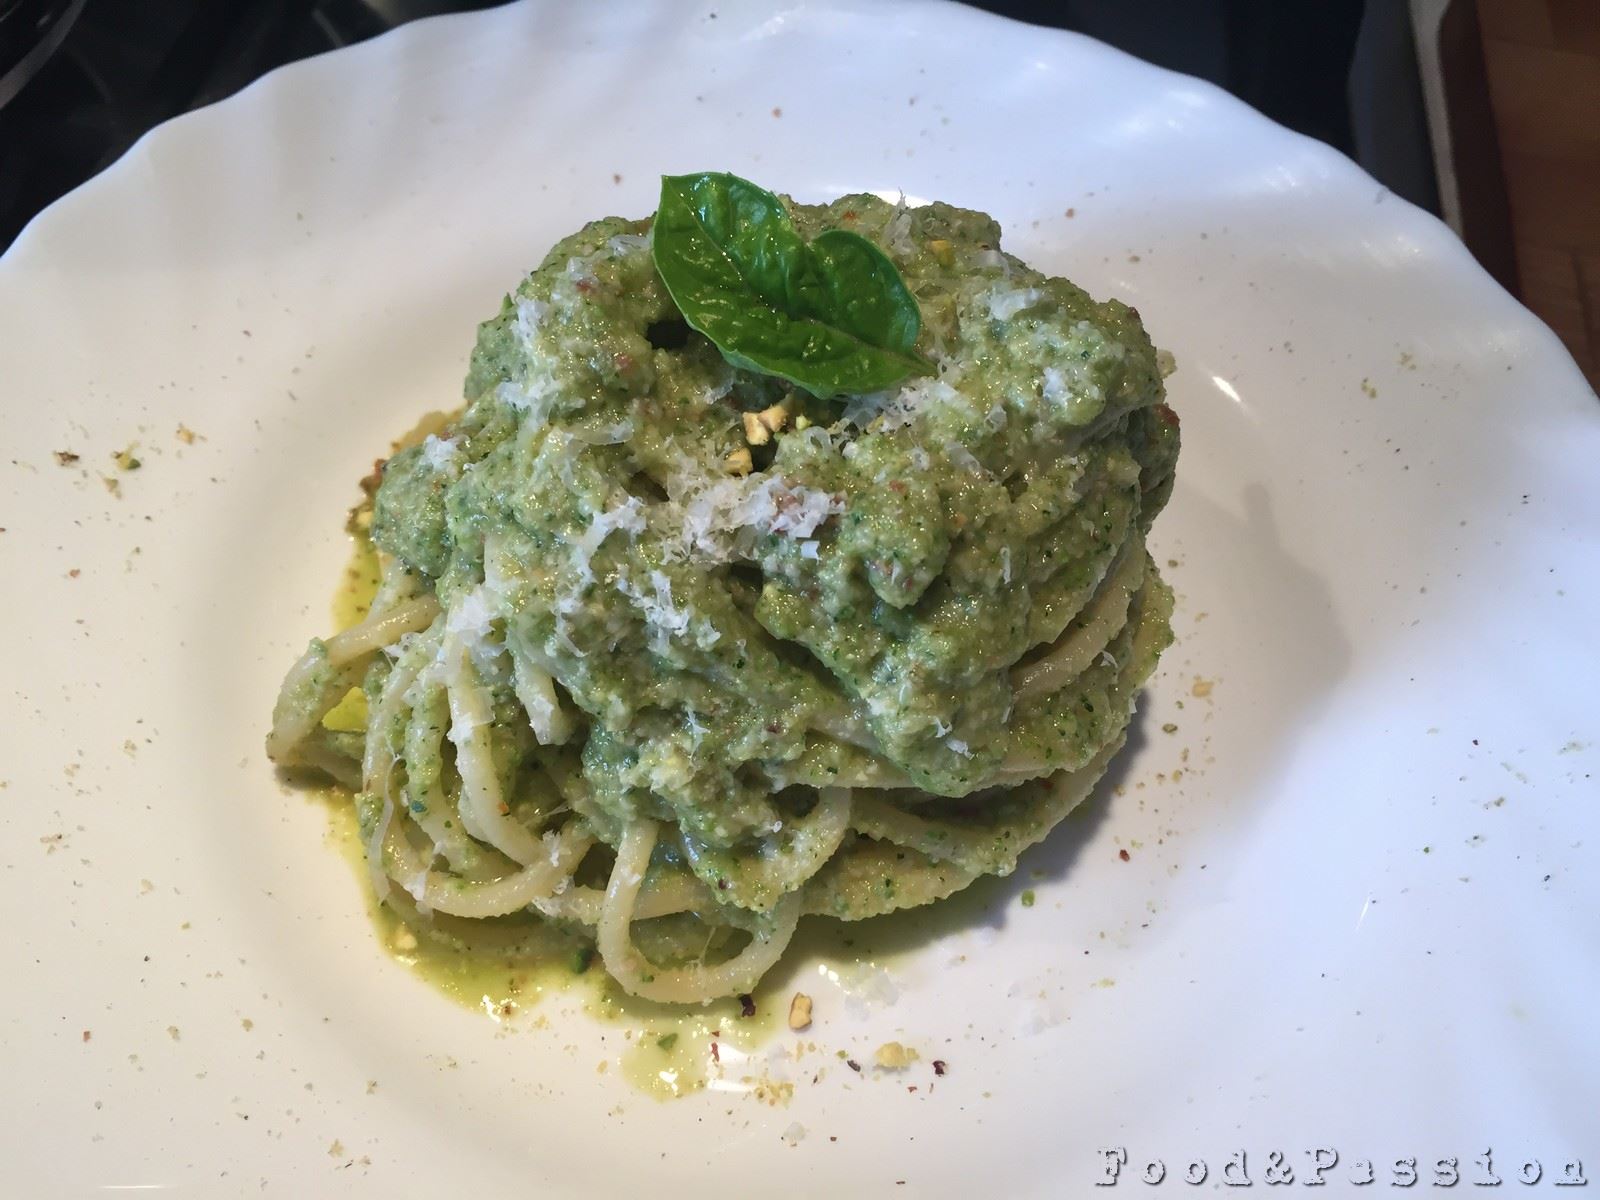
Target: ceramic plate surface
{"type": "Point", "coordinates": [1357, 910]}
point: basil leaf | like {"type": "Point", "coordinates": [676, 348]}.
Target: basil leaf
{"type": "Point", "coordinates": [831, 316]}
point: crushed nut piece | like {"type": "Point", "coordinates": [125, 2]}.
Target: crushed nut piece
{"type": "Point", "coordinates": [774, 418]}
{"type": "Point", "coordinates": [892, 1056]}
{"type": "Point", "coordinates": [800, 1012]}
{"type": "Point", "coordinates": [755, 432]}
{"type": "Point", "coordinates": [942, 251]}
{"type": "Point", "coordinates": [739, 462]}
{"type": "Point", "coordinates": [802, 422]}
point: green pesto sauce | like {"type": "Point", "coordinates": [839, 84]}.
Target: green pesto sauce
{"type": "Point", "coordinates": [883, 567]}
{"type": "Point", "coordinates": [912, 547]}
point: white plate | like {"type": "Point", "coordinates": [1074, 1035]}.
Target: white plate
{"type": "Point", "coordinates": [1362, 919]}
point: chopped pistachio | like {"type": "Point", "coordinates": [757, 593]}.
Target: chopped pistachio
{"type": "Point", "coordinates": [892, 1056]}
{"type": "Point", "coordinates": [800, 1011]}
{"type": "Point", "coordinates": [755, 430]}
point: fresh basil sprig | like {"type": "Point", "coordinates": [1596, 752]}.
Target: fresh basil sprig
{"type": "Point", "coordinates": [831, 315]}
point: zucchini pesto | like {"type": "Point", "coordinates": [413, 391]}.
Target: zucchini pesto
{"type": "Point", "coordinates": [783, 560]}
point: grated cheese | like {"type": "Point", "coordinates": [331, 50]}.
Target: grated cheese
{"type": "Point", "coordinates": [664, 617]}
{"type": "Point", "coordinates": [901, 407]}
{"type": "Point", "coordinates": [715, 510]}
{"type": "Point", "coordinates": [1055, 386]}
{"type": "Point", "coordinates": [581, 271]}
{"type": "Point", "coordinates": [623, 244]}
{"type": "Point", "coordinates": [1005, 303]}
{"type": "Point", "coordinates": [469, 626]}
{"type": "Point", "coordinates": [535, 395]}
{"type": "Point", "coordinates": [697, 731]}
{"type": "Point", "coordinates": [628, 517]}
{"type": "Point", "coordinates": [530, 315]}
{"type": "Point", "coordinates": [897, 229]}
{"type": "Point", "coordinates": [439, 453]}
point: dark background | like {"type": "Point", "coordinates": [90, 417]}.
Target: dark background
{"type": "Point", "coordinates": [80, 80]}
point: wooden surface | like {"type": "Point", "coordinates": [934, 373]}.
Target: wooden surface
{"type": "Point", "coordinates": [1542, 59]}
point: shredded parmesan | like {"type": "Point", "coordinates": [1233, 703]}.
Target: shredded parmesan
{"type": "Point", "coordinates": [535, 395]}
{"type": "Point", "coordinates": [530, 315]}
{"type": "Point", "coordinates": [439, 453]}
{"type": "Point", "coordinates": [581, 271]}
{"type": "Point", "coordinates": [628, 517]}
{"type": "Point", "coordinates": [1006, 302]}
{"type": "Point", "coordinates": [715, 511]}
{"type": "Point", "coordinates": [664, 617]}
{"type": "Point", "coordinates": [469, 626]}
{"type": "Point", "coordinates": [1055, 386]}
{"type": "Point", "coordinates": [860, 410]}
{"type": "Point", "coordinates": [697, 731]}
{"type": "Point", "coordinates": [623, 244]}
{"type": "Point", "coordinates": [901, 407]}
{"type": "Point", "coordinates": [897, 229]}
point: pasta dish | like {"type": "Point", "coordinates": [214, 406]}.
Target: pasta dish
{"type": "Point", "coordinates": [782, 560]}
